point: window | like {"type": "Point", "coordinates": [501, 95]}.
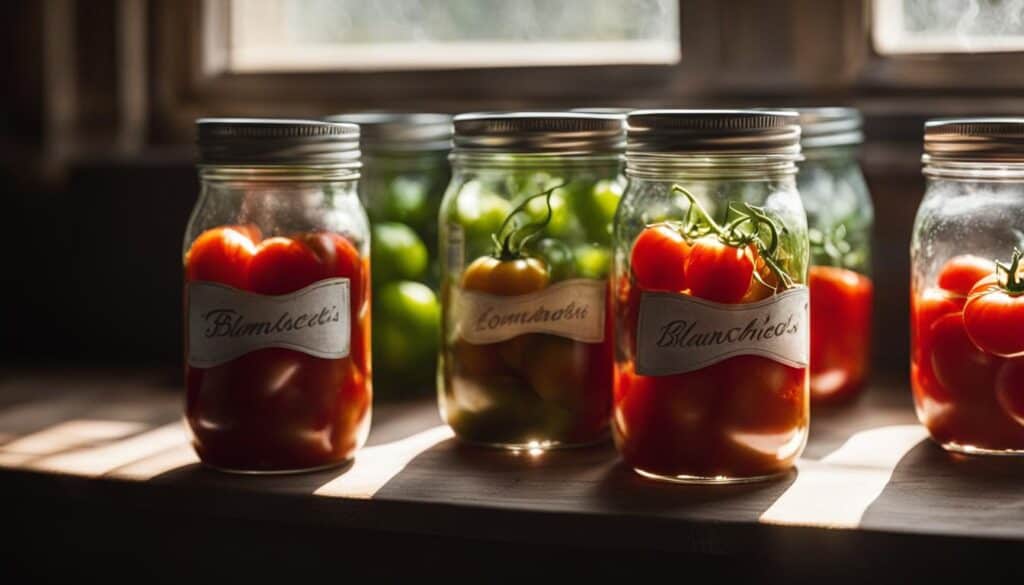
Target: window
{"type": "Point", "coordinates": [948, 26]}
{"type": "Point", "coordinates": [334, 35]}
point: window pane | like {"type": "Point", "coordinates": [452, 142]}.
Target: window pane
{"type": "Point", "coordinates": [415, 34]}
{"type": "Point", "coordinates": [948, 26]}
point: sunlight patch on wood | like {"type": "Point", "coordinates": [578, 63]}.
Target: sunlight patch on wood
{"type": "Point", "coordinates": [64, 437]}
{"type": "Point", "coordinates": [835, 491]}
{"type": "Point", "coordinates": [96, 461]}
{"type": "Point", "coordinates": [375, 466]}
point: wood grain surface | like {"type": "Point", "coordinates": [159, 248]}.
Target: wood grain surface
{"type": "Point", "coordinates": [871, 492]}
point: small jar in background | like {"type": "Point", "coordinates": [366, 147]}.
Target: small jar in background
{"type": "Point", "coordinates": [526, 359]}
{"type": "Point", "coordinates": [967, 287]}
{"type": "Point", "coordinates": [709, 296]}
{"type": "Point", "coordinates": [277, 309]}
{"type": "Point", "coordinates": [404, 175]}
{"type": "Point", "coordinates": [840, 217]}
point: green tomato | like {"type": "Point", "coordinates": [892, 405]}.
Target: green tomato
{"type": "Point", "coordinates": [557, 256]}
{"type": "Point", "coordinates": [592, 261]}
{"type": "Point", "coordinates": [397, 253]}
{"type": "Point", "coordinates": [406, 329]}
{"type": "Point", "coordinates": [596, 209]}
{"type": "Point", "coordinates": [407, 200]}
{"type": "Point", "coordinates": [481, 213]}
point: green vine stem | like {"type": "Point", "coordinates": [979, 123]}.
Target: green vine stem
{"type": "Point", "coordinates": [1014, 279]}
{"type": "Point", "coordinates": [733, 234]}
{"type": "Point", "coordinates": [509, 246]}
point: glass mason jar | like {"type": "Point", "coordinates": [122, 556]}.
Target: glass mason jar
{"type": "Point", "coordinates": [277, 325]}
{"type": "Point", "coordinates": [710, 302]}
{"type": "Point", "coordinates": [404, 175]}
{"type": "Point", "coordinates": [526, 226]}
{"type": "Point", "coordinates": [967, 286]}
{"type": "Point", "coordinates": [839, 222]}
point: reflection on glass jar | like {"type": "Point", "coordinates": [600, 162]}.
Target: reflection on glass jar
{"type": "Point", "coordinates": [277, 297]}
{"type": "Point", "coordinates": [710, 303]}
{"type": "Point", "coordinates": [405, 172]}
{"type": "Point", "coordinates": [526, 229]}
{"type": "Point", "coordinates": [967, 287]}
{"type": "Point", "coordinates": [839, 222]}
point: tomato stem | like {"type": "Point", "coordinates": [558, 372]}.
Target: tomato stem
{"type": "Point", "coordinates": [733, 235]}
{"type": "Point", "coordinates": [510, 246]}
{"type": "Point", "coordinates": [1014, 280]}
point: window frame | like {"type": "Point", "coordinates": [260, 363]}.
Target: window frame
{"type": "Point", "coordinates": [733, 53]}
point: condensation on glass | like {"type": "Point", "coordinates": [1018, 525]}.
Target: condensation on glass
{"type": "Point", "coordinates": [967, 296]}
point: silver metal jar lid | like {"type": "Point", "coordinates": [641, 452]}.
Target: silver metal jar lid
{"type": "Point", "coordinates": [610, 111]}
{"type": "Point", "coordinates": [830, 127]}
{"type": "Point", "coordinates": [560, 133]}
{"type": "Point", "coordinates": [277, 142]}
{"type": "Point", "coordinates": [400, 131]}
{"type": "Point", "coordinates": [713, 132]}
{"type": "Point", "coordinates": [974, 140]}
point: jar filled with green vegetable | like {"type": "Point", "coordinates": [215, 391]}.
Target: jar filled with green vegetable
{"type": "Point", "coordinates": [405, 172]}
{"type": "Point", "coordinates": [526, 360]}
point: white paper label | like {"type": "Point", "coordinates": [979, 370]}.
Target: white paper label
{"type": "Point", "coordinates": [681, 333]}
{"type": "Point", "coordinates": [571, 308]}
{"type": "Point", "coordinates": [225, 322]}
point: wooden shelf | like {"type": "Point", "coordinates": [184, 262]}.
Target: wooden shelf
{"type": "Point", "coordinates": [105, 454]}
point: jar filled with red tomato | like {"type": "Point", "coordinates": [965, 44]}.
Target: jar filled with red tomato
{"type": "Point", "coordinates": [277, 325]}
{"type": "Point", "coordinates": [967, 287]}
{"type": "Point", "coordinates": [710, 298]}
{"type": "Point", "coordinates": [839, 221]}
{"type": "Point", "coordinates": [526, 359]}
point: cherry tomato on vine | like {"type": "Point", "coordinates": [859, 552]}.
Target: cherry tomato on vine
{"type": "Point", "coordinates": [1010, 389]}
{"type": "Point", "coordinates": [222, 255]}
{"type": "Point", "coordinates": [994, 317]}
{"type": "Point", "coordinates": [659, 259]}
{"type": "Point", "coordinates": [511, 277]}
{"type": "Point", "coordinates": [719, 272]}
{"type": "Point", "coordinates": [961, 273]}
{"type": "Point", "coordinates": [766, 286]}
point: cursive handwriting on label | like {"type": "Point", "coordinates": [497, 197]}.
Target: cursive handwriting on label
{"type": "Point", "coordinates": [679, 333]}
{"type": "Point", "coordinates": [573, 308]}
{"type": "Point", "coordinates": [225, 323]}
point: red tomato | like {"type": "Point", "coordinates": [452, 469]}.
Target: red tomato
{"type": "Point", "coordinates": [994, 318]}
{"type": "Point", "coordinates": [718, 272]}
{"type": "Point", "coordinates": [221, 255]}
{"type": "Point", "coordinates": [283, 265]}
{"type": "Point", "coordinates": [927, 308]}
{"type": "Point", "coordinates": [958, 365]}
{"type": "Point", "coordinates": [1010, 389]}
{"type": "Point", "coordinates": [763, 396]}
{"type": "Point", "coordinates": [961, 273]}
{"type": "Point", "coordinates": [666, 424]}
{"type": "Point", "coordinates": [659, 259]}
{"type": "Point", "coordinates": [339, 258]}
{"type": "Point", "coordinates": [840, 331]}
